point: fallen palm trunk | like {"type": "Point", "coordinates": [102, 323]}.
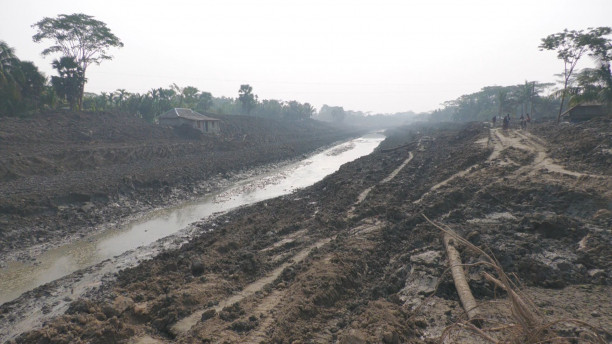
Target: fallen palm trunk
{"type": "Point", "coordinates": [520, 309]}
{"type": "Point", "coordinates": [463, 289]}
{"type": "Point", "coordinates": [530, 322]}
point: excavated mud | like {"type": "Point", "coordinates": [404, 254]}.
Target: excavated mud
{"type": "Point", "coordinates": [63, 174]}
{"type": "Point", "coordinates": [352, 259]}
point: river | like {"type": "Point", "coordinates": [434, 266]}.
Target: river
{"type": "Point", "coordinates": [19, 277]}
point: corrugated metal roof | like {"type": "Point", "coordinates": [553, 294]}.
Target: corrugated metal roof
{"type": "Point", "coordinates": [582, 105]}
{"type": "Point", "coordinates": [186, 113]}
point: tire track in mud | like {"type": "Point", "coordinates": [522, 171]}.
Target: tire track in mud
{"type": "Point", "coordinates": [265, 306]}
{"type": "Point", "coordinates": [529, 143]}
{"type": "Point", "coordinates": [520, 140]}
{"type": "Point", "coordinates": [364, 194]}
{"type": "Point", "coordinates": [184, 325]}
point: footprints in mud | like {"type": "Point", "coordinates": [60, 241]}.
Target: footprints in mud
{"type": "Point", "coordinates": [530, 159]}
{"type": "Point", "coordinates": [261, 300]}
{"type": "Point", "coordinates": [533, 145]}
{"type": "Point", "coordinates": [268, 303]}
{"type": "Point", "coordinates": [184, 325]}
{"type": "Point", "coordinates": [364, 194]}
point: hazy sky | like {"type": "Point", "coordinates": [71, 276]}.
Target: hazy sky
{"type": "Point", "coordinates": [376, 55]}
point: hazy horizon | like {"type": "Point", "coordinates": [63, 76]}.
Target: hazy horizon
{"type": "Point", "coordinates": [378, 56]}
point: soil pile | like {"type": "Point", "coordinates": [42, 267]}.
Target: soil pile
{"type": "Point", "coordinates": [352, 260]}
{"type": "Point", "coordinates": [61, 174]}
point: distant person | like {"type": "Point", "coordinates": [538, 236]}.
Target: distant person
{"type": "Point", "coordinates": [528, 121]}
{"type": "Point", "coordinates": [506, 123]}
{"type": "Point", "coordinates": [523, 123]}
{"type": "Point", "coordinates": [494, 120]}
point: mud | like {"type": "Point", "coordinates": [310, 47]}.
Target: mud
{"type": "Point", "coordinates": [64, 174]}
{"type": "Point", "coordinates": [352, 260]}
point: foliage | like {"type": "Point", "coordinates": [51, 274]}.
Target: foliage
{"type": "Point", "coordinates": [498, 100]}
{"type": "Point", "coordinates": [571, 46]}
{"type": "Point", "coordinates": [247, 99]}
{"type": "Point", "coordinates": [595, 84]}
{"type": "Point", "coordinates": [77, 36]}
{"type": "Point", "coordinates": [159, 100]}
{"type": "Point", "coordinates": [332, 113]}
{"type": "Point", "coordinates": [68, 85]}
{"type": "Point", "coordinates": [21, 84]}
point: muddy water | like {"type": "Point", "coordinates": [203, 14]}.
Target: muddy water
{"type": "Point", "coordinates": [17, 277]}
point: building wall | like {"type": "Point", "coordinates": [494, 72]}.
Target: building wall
{"type": "Point", "coordinates": [212, 127]}
{"type": "Point", "coordinates": [203, 126]}
{"type": "Point", "coordinates": [584, 113]}
{"type": "Point", "coordinates": [175, 122]}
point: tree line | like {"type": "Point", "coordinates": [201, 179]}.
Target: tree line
{"type": "Point", "coordinates": [151, 104]}
{"type": "Point", "coordinates": [81, 40]}
{"type": "Point", "coordinates": [25, 90]}
{"type": "Point", "coordinates": [498, 101]}
{"type": "Point", "coordinates": [542, 99]}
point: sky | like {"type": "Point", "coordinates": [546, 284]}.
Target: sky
{"type": "Point", "coordinates": [379, 56]}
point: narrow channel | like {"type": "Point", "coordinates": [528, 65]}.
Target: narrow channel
{"type": "Point", "coordinates": [19, 277]}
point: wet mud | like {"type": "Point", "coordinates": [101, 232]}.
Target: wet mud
{"type": "Point", "coordinates": [351, 259]}
{"type": "Point", "coordinates": [63, 175]}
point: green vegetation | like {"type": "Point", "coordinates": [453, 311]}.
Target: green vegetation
{"type": "Point", "coordinates": [571, 46]}
{"type": "Point", "coordinates": [159, 100]}
{"type": "Point", "coordinates": [247, 99]}
{"type": "Point", "coordinates": [540, 99]}
{"type": "Point", "coordinates": [497, 101]}
{"type": "Point", "coordinates": [69, 84]}
{"type": "Point", "coordinates": [23, 88]}
{"type": "Point", "coordinates": [82, 40]}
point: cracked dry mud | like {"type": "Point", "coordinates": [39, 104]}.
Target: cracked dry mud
{"type": "Point", "coordinates": [352, 260]}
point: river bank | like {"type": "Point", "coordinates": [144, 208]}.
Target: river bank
{"type": "Point", "coordinates": [64, 175]}
{"type": "Point", "coordinates": [352, 260]}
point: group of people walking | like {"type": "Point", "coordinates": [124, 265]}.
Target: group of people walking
{"type": "Point", "coordinates": [506, 121]}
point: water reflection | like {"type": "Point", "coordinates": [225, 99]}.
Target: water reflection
{"type": "Point", "coordinates": [17, 277]}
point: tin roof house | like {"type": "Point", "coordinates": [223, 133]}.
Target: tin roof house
{"type": "Point", "coordinates": [179, 116]}
{"type": "Point", "coordinates": [585, 112]}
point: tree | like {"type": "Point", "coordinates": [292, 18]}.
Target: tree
{"type": "Point", "coordinates": [119, 96]}
{"type": "Point", "coordinates": [247, 99]}
{"type": "Point", "coordinates": [32, 84]}
{"type": "Point", "coordinates": [204, 101]}
{"type": "Point", "coordinates": [21, 83]}
{"type": "Point", "coordinates": [8, 64]}
{"type": "Point", "coordinates": [307, 111]}
{"type": "Point", "coordinates": [570, 47]}
{"type": "Point", "coordinates": [595, 84]}
{"type": "Point", "coordinates": [502, 97]}
{"type": "Point", "coordinates": [332, 113]}
{"type": "Point", "coordinates": [270, 108]}
{"type": "Point", "coordinates": [80, 37]}
{"type": "Point", "coordinates": [68, 84]}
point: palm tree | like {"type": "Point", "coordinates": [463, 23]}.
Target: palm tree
{"type": "Point", "coordinates": [502, 97]}
{"type": "Point", "coordinates": [10, 77]}
{"type": "Point", "coordinates": [120, 95]}
{"type": "Point", "coordinates": [69, 83]}
{"type": "Point", "coordinates": [8, 63]}
{"type": "Point", "coordinates": [594, 85]}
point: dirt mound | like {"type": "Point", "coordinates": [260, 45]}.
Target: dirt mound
{"type": "Point", "coordinates": [584, 146]}
{"type": "Point", "coordinates": [352, 260]}
{"type": "Point", "coordinates": [62, 173]}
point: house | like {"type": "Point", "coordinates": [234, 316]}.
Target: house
{"type": "Point", "coordinates": [178, 116]}
{"type": "Point", "coordinates": [585, 112]}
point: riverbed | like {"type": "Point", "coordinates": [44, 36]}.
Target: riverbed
{"type": "Point", "coordinates": [170, 225]}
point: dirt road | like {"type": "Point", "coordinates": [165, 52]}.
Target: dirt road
{"type": "Point", "coordinates": [352, 260]}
